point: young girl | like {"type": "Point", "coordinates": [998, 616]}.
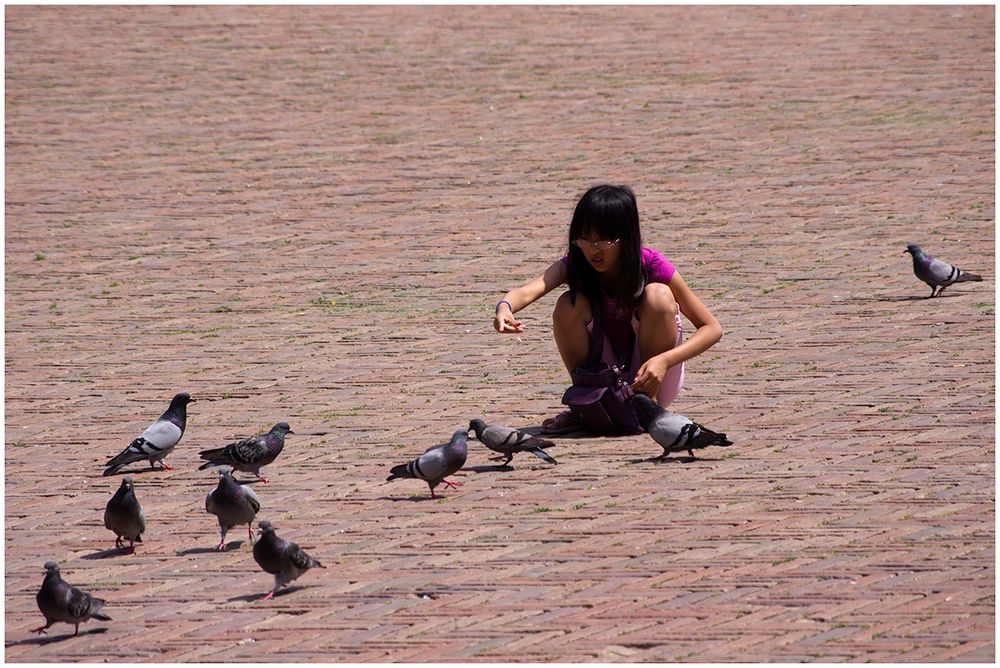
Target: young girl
{"type": "Point", "coordinates": [640, 293]}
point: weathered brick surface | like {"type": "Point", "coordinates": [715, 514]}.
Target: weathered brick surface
{"type": "Point", "coordinates": [307, 214]}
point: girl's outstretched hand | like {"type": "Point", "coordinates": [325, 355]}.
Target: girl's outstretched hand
{"type": "Point", "coordinates": [506, 323]}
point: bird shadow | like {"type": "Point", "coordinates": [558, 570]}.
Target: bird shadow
{"type": "Point", "coordinates": [45, 640]}
{"type": "Point", "coordinates": [489, 468]}
{"type": "Point", "coordinates": [104, 554]}
{"type": "Point", "coordinates": [915, 298]}
{"type": "Point", "coordinates": [231, 545]}
{"type": "Point", "coordinates": [673, 459]}
{"type": "Point", "coordinates": [121, 472]}
{"type": "Point", "coordinates": [409, 498]}
{"type": "Point", "coordinates": [257, 597]}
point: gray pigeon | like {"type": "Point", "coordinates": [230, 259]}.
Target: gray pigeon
{"type": "Point", "coordinates": [937, 273]}
{"type": "Point", "coordinates": [283, 559]}
{"type": "Point", "coordinates": [436, 463]}
{"type": "Point", "coordinates": [672, 431]}
{"type": "Point", "coordinates": [124, 515]}
{"type": "Point", "coordinates": [61, 602]}
{"type": "Point", "coordinates": [158, 440]}
{"type": "Point", "coordinates": [508, 441]}
{"type": "Point", "coordinates": [251, 453]}
{"type": "Point", "coordinates": [233, 504]}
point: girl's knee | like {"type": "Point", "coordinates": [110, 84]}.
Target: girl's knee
{"type": "Point", "coordinates": [567, 312]}
{"type": "Point", "coordinates": [657, 298]}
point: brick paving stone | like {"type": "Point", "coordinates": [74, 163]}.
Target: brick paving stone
{"type": "Point", "coordinates": [307, 214]}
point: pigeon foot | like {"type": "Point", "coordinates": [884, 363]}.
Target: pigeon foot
{"type": "Point", "coordinates": [452, 484]}
{"type": "Point", "coordinates": [269, 596]}
{"type": "Point", "coordinates": [263, 479]}
{"type": "Point", "coordinates": [41, 630]}
{"type": "Point", "coordinates": [222, 546]}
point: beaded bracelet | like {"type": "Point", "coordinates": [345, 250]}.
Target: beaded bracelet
{"type": "Point", "coordinates": [503, 301]}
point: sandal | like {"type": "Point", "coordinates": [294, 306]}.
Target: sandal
{"type": "Point", "coordinates": [564, 423]}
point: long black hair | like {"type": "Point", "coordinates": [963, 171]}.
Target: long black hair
{"type": "Point", "coordinates": [610, 212]}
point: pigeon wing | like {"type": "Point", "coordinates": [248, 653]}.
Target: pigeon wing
{"type": "Point", "coordinates": [940, 272]}
{"type": "Point", "coordinates": [79, 604]}
{"type": "Point", "coordinates": [252, 498]}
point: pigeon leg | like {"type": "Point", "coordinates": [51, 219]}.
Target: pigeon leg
{"type": "Point", "coordinates": [250, 531]}
{"type": "Point", "coordinates": [691, 453]}
{"type": "Point", "coordinates": [222, 542]}
{"type": "Point", "coordinates": [42, 629]}
{"type": "Point", "coordinates": [77, 632]}
{"type": "Point", "coordinates": [118, 542]}
{"type": "Point", "coordinates": [509, 458]}
{"type": "Point", "coordinates": [131, 546]}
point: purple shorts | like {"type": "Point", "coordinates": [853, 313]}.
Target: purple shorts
{"type": "Point", "coordinates": [672, 380]}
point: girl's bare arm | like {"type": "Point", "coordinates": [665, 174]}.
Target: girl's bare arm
{"type": "Point", "coordinates": [527, 294]}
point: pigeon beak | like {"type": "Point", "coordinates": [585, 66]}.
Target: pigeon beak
{"type": "Point", "coordinates": [289, 432]}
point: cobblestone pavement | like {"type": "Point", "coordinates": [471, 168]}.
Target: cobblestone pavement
{"type": "Point", "coordinates": [307, 214]}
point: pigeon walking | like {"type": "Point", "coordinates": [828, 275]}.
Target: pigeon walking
{"type": "Point", "coordinates": [283, 559]}
{"type": "Point", "coordinates": [251, 453]}
{"type": "Point", "coordinates": [507, 441]}
{"type": "Point", "coordinates": [124, 516]}
{"type": "Point", "coordinates": [673, 431]}
{"type": "Point", "coordinates": [436, 463]}
{"type": "Point", "coordinates": [158, 440]}
{"type": "Point", "coordinates": [61, 602]}
{"type": "Point", "coordinates": [937, 273]}
{"type": "Point", "coordinates": [233, 504]}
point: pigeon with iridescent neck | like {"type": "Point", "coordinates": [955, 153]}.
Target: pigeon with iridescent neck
{"type": "Point", "coordinates": [251, 453]}
{"type": "Point", "coordinates": [937, 273]}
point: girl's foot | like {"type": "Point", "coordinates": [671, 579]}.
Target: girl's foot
{"type": "Point", "coordinates": [563, 423]}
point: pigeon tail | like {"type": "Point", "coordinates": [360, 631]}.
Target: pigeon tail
{"type": "Point", "coordinates": [966, 276]}
{"type": "Point", "coordinates": [541, 454]}
{"type": "Point", "coordinates": [101, 616]}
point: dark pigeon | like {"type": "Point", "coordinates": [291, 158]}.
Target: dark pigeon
{"type": "Point", "coordinates": [283, 559]}
{"type": "Point", "coordinates": [436, 463]}
{"type": "Point", "coordinates": [251, 453]}
{"type": "Point", "coordinates": [507, 441]}
{"type": "Point", "coordinates": [124, 516]}
{"type": "Point", "coordinates": [61, 602]}
{"type": "Point", "coordinates": [937, 273]}
{"type": "Point", "coordinates": [158, 440]}
{"type": "Point", "coordinates": [233, 504]}
{"type": "Point", "coordinates": [674, 432]}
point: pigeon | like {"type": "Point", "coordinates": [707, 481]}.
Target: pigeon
{"type": "Point", "coordinates": [283, 559]}
{"type": "Point", "coordinates": [233, 504]}
{"type": "Point", "coordinates": [61, 602]}
{"type": "Point", "coordinates": [508, 441]}
{"type": "Point", "coordinates": [436, 463]}
{"type": "Point", "coordinates": [251, 453]}
{"type": "Point", "coordinates": [124, 516]}
{"type": "Point", "coordinates": [158, 440]}
{"type": "Point", "coordinates": [673, 431]}
{"type": "Point", "coordinates": [937, 273]}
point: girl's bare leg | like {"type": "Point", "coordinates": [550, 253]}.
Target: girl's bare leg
{"type": "Point", "coordinates": [569, 324]}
